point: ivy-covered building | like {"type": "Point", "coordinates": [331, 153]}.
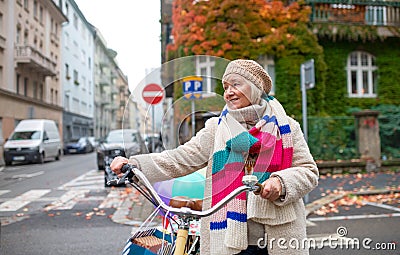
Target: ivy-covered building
{"type": "Point", "coordinates": [355, 46]}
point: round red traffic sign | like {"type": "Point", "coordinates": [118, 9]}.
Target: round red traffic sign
{"type": "Point", "coordinates": [153, 93]}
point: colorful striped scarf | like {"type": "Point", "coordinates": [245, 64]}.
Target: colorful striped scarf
{"type": "Point", "coordinates": [270, 138]}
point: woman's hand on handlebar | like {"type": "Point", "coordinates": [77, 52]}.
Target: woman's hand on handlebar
{"type": "Point", "coordinates": [272, 189]}
{"type": "Point", "coordinates": [117, 164]}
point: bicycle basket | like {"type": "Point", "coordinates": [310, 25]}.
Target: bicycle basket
{"type": "Point", "coordinates": [148, 242]}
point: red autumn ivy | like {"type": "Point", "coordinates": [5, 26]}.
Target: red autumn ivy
{"type": "Point", "coordinates": [245, 29]}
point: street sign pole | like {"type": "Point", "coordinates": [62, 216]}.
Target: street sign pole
{"type": "Point", "coordinates": [193, 119]}
{"type": "Point", "coordinates": [307, 80]}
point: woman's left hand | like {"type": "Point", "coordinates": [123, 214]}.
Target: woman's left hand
{"type": "Point", "coordinates": [272, 189]}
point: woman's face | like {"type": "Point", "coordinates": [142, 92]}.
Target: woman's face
{"type": "Point", "coordinates": [236, 92]}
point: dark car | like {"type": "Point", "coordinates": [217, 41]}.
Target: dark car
{"type": "Point", "coordinates": [120, 142]}
{"type": "Point", "coordinates": [81, 145]}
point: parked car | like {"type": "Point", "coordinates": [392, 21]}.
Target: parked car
{"type": "Point", "coordinates": [33, 140]}
{"type": "Point", "coordinates": [120, 142]}
{"type": "Point", "coordinates": [81, 145]}
{"type": "Point", "coordinates": [93, 141]}
{"type": "Point", "coordinates": [158, 145]}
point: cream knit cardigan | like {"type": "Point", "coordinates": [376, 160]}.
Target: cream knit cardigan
{"type": "Point", "coordinates": [283, 218]}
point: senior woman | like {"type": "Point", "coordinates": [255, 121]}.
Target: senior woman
{"type": "Point", "coordinates": [253, 135]}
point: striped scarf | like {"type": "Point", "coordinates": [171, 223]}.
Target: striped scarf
{"type": "Point", "coordinates": [270, 139]}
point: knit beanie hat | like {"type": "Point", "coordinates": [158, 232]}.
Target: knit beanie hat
{"type": "Point", "coordinates": [250, 70]}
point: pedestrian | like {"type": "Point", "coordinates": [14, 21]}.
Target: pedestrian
{"type": "Point", "coordinates": [253, 135]}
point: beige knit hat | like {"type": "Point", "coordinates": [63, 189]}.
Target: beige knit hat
{"type": "Point", "coordinates": [250, 70]}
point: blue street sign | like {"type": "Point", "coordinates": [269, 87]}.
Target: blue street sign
{"type": "Point", "coordinates": [192, 87]}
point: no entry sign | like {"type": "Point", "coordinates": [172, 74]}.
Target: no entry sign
{"type": "Point", "coordinates": [153, 93]}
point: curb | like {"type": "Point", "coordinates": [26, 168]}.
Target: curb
{"type": "Point", "coordinates": [124, 213]}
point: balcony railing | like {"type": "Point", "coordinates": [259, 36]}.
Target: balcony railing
{"type": "Point", "coordinates": [352, 13]}
{"type": "Point", "coordinates": [395, 3]}
{"type": "Point", "coordinates": [30, 56]}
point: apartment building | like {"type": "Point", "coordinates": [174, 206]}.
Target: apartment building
{"type": "Point", "coordinates": [30, 62]}
{"type": "Point", "coordinates": [77, 73]}
{"type": "Point", "coordinates": [111, 89]}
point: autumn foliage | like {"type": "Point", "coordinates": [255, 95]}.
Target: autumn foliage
{"type": "Point", "coordinates": [233, 29]}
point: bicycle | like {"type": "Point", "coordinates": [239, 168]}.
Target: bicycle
{"type": "Point", "coordinates": [187, 210]}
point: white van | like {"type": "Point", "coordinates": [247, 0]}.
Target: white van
{"type": "Point", "coordinates": [33, 140]}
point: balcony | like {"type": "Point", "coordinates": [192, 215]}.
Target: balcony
{"type": "Point", "coordinates": [104, 80]}
{"type": "Point", "coordinates": [32, 58]}
{"type": "Point", "coordinates": [358, 12]}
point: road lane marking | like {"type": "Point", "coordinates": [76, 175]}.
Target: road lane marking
{"type": "Point", "coordinates": [25, 176]}
{"type": "Point", "coordinates": [388, 207]}
{"type": "Point", "coordinates": [93, 179]}
{"type": "Point", "coordinates": [22, 200]}
{"type": "Point", "coordinates": [355, 217]}
{"type": "Point", "coordinates": [2, 192]}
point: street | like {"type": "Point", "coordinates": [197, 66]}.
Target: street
{"type": "Point", "coordinates": [61, 207]}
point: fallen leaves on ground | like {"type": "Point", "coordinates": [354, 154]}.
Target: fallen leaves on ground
{"type": "Point", "coordinates": [350, 200]}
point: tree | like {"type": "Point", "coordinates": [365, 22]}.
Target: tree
{"type": "Point", "coordinates": [249, 29]}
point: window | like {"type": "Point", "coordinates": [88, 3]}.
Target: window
{"type": "Point", "coordinates": [361, 75]}
{"type": "Point", "coordinates": [66, 102]}
{"type": "Point", "coordinates": [1, 24]}
{"type": "Point", "coordinates": [67, 76]}
{"type": "Point", "coordinates": [67, 10]}
{"type": "Point", "coordinates": [17, 83]}
{"type": "Point", "coordinates": [205, 69]}
{"type": "Point", "coordinates": [26, 4]}
{"type": "Point", "coordinates": [35, 89]}
{"type": "Point", "coordinates": [1, 129]}
{"type": "Point", "coordinates": [18, 35]}
{"type": "Point", "coordinates": [26, 86]}
{"type": "Point", "coordinates": [376, 15]}
{"type": "Point", "coordinates": [26, 37]}
{"type": "Point", "coordinates": [76, 77]}
{"type": "Point", "coordinates": [35, 5]}
{"type": "Point", "coordinates": [41, 14]}
{"type": "Point", "coordinates": [41, 92]}
{"type": "Point", "coordinates": [75, 21]}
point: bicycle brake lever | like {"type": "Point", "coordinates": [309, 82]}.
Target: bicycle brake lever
{"type": "Point", "coordinates": [128, 174]}
{"type": "Point", "coordinates": [259, 188]}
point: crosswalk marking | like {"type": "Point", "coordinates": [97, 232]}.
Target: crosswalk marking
{"type": "Point", "coordinates": [113, 200]}
{"type": "Point", "coordinates": [93, 179]}
{"type": "Point", "coordinates": [2, 192]}
{"type": "Point", "coordinates": [67, 201]}
{"type": "Point", "coordinates": [75, 191]}
{"type": "Point", "coordinates": [22, 200]}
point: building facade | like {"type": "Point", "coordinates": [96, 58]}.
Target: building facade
{"type": "Point", "coordinates": [77, 73]}
{"type": "Point", "coordinates": [30, 63]}
{"type": "Point", "coordinates": [110, 88]}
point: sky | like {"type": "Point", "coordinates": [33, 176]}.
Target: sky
{"type": "Point", "coordinates": [130, 27]}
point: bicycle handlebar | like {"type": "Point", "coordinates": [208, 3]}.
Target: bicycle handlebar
{"type": "Point", "coordinates": [250, 183]}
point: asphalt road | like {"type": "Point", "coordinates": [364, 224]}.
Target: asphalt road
{"type": "Point", "coordinates": [58, 222]}
{"type": "Point", "coordinates": [61, 207]}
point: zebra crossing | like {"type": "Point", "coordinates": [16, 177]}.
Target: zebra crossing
{"type": "Point", "coordinates": [78, 190]}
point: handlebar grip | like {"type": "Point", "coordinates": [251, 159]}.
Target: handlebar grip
{"type": "Point", "coordinates": [126, 168]}
{"type": "Point", "coordinates": [259, 189]}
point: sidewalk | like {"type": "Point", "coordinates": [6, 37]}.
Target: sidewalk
{"type": "Point", "coordinates": [135, 209]}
